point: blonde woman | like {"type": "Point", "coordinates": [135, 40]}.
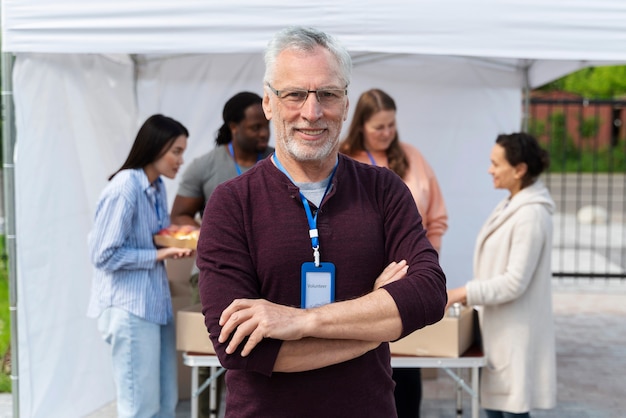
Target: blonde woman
{"type": "Point", "coordinates": [373, 139]}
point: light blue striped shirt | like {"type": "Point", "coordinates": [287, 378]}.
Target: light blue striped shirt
{"type": "Point", "coordinates": [127, 274]}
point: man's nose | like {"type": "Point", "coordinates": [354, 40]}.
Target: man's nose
{"type": "Point", "coordinates": [312, 109]}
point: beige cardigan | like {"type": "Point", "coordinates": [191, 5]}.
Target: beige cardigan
{"type": "Point", "coordinates": [512, 283]}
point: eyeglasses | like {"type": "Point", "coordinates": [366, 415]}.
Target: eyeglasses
{"type": "Point", "coordinates": [295, 99]}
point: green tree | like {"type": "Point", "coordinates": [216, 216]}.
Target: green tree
{"type": "Point", "coordinates": [598, 82]}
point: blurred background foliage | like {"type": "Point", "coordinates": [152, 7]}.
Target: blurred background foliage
{"type": "Point", "coordinates": [593, 82]}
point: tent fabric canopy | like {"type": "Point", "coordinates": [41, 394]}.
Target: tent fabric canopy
{"type": "Point", "coordinates": [88, 72]}
{"type": "Point", "coordinates": [523, 32]}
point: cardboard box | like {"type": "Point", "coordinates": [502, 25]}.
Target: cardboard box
{"type": "Point", "coordinates": [178, 273]}
{"type": "Point", "coordinates": [429, 373]}
{"type": "Point", "coordinates": [191, 333]}
{"type": "Point", "coordinates": [184, 372]}
{"type": "Point", "coordinates": [450, 337]}
{"type": "Point", "coordinates": [170, 241]}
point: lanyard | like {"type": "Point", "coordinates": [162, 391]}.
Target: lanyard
{"type": "Point", "coordinates": [313, 233]}
{"type": "Point", "coordinates": [232, 154]}
{"type": "Point", "coordinates": [153, 194]}
{"type": "Point", "coordinates": [371, 157]}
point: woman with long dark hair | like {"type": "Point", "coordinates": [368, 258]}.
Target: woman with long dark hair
{"type": "Point", "coordinates": [130, 294]}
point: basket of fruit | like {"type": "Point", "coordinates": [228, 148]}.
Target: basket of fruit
{"type": "Point", "coordinates": [180, 236]}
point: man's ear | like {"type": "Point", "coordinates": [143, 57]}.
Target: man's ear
{"type": "Point", "coordinates": [345, 113]}
{"type": "Point", "coordinates": [267, 108]}
{"type": "Point", "coordinates": [233, 127]}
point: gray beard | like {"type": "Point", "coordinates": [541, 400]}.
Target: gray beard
{"type": "Point", "coordinates": [303, 153]}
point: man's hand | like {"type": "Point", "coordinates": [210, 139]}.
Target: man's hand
{"type": "Point", "coordinates": [258, 319]}
{"type": "Point", "coordinates": [394, 271]}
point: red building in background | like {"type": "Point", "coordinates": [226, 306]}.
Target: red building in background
{"type": "Point", "coordinates": [590, 123]}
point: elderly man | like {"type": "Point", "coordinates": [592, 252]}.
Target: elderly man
{"type": "Point", "coordinates": [311, 262]}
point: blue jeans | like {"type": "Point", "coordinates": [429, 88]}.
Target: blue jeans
{"type": "Point", "coordinates": [503, 414]}
{"type": "Point", "coordinates": [144, 364]}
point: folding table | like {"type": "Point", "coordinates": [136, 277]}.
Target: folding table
{"type": "Point", "coordinates": [472, 359]}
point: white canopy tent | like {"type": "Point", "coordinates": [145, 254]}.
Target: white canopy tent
{"type": "Point", "coordinates": [88, 72]}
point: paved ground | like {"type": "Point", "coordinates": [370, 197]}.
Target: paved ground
{"type": "Point", "coordinates": [591, 355]}
{"type": "Point", "coordinates": [6, 405]}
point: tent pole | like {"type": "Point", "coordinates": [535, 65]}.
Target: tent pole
{"type": "Point", "coordinates": [8, 171]}
{"type": "Point", "coordinates": [526, 93]}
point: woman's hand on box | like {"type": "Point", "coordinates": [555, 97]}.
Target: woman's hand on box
{"type": "Point", "coordinates": [173, 252]}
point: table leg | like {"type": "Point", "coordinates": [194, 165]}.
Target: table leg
{"type": "Point", "coordinates": [194, 388]}
{"type": "Point", "coordinates": [475, 405]}
{"type": "Point", "coordinates": [459, 396]}
{"type": "Point", "coordinates": [213, 393]}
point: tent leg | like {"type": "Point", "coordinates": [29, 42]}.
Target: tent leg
{"type": "Point", "coordinates": [526, 95]}
{"type": "Point", "coordinates": [8, 171]}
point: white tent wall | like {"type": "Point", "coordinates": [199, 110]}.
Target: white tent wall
{"type": "Point", "coordinates": [193, 89]}
{"type": "Point", "coordinates": [74, 117]}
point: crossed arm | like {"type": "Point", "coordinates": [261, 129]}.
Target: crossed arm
{"type": "Point", "coordinates": [318, 337]}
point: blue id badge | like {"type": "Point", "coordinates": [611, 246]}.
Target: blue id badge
{"type": "Point", "coordinates": [318, 284]}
